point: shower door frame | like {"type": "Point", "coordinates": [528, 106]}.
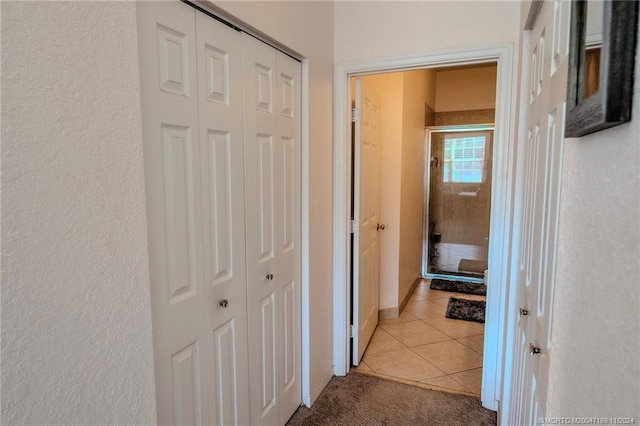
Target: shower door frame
{"type": "Point", "coordinates": [430, 130]}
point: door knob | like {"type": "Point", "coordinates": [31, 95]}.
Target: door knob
{"type": "Point", "coordinates": [534, 350]}
{"type": "Point", "coordinates": [269, 276]}
{"type": "Point", "coordinates": [523, 312]}
{"type": "Point", "coordinates": [224, 303]}
{"type": "Point", "coordinates": [380, 226]}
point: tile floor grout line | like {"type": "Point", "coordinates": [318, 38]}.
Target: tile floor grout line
{"type": "Point", "coordinates": [425, 308]}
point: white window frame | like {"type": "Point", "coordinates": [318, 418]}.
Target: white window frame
{"type": "Point", "coordinates": [449, 178]}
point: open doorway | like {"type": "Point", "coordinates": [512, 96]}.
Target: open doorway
{"type": "Point", "coordinates": [500, 195]}
{"type": "Point", "coordinates": [393, 112]}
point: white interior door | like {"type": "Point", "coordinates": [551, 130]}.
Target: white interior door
{"type": "Point", "coordinates": [174, 213]}
{"type": "Point", "coordinates": [366, 246]}
{"type": "Point", "coordinates": [219, 57]}
{"type": "Point", "coordinates": [272, 164]}
{"type": "Point", "coordinates": [288, 231]}
{"type": "Point", "coordinates": [192, 132]}
{"type": "Point", "coordinates": [547, 50]}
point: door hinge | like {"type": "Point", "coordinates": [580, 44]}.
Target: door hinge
{"type": "Point", "coordinates": [351, 331]}
{"type": "Point", "coordinates": [355, 115]}
{"type": "Point", "coordinates": [353, 226]}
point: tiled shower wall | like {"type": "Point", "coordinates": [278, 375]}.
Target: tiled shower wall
{"type": "Point", "coordinates": [459, 118]}
{"type": "Point", "coordinates": [460, 219]}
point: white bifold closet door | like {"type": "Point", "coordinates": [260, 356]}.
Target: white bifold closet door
{"type": "Point", "coordinates": [272, 179]}
{"type": "Point", "coordinates": [193, 149]}
{"type": "Point", "coordinates": [210, 254]}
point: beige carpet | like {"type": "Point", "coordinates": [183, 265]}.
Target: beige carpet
{"type": "Point", "coordinates": [366, 400]}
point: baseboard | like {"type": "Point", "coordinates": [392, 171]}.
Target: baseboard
{"type": "Point", "coordinates": [388, 313]}
{"type": "Point", "coordinates": [308, 402]}
{"type": "Point", "coordinates": [409, 294]}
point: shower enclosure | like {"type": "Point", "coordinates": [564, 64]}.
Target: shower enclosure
{"type": "Point", "coordinates": [457, 202]}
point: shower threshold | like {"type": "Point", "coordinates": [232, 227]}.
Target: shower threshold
{"type": "Point", "coordinates": [454, 277]}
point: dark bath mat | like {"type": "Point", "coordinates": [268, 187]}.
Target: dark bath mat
{"type": "Point", "coordinates": [466, 310]}
{"type": "Point", "coordinates": [459, 287]}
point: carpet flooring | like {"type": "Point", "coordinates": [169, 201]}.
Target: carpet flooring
{"type": "Point", "coordinates": [459, 287]}
{"type": "Point", "coordinates": [357, 399]}
{"type": "Point", "coordinates": [466, 310]}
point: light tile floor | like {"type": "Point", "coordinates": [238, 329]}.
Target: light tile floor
{"type": "Point", "coordinates": [423, 346]}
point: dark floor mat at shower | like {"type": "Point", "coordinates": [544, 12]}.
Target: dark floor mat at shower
{"type": "Point", "coordinates": [459, 287]}
{"type": "Point", "coordinates": [466, 310]}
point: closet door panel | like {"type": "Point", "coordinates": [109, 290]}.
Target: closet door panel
{"type": "Point", "coordinates": [288, 100]}
{"type": "Point", "coordinates": [171, 144]}
{"type": "Point", "coordinates": [263, 275]}
{"type": "Point", "coordinates": [221, 127]}
{"type": "Point", "coordinates": [263, 143]}
{"type": "Point", "coordinates": [219, 56]}
{"type": "Point", "coordinates": [272, 191]}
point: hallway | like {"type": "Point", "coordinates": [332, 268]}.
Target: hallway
{"type": "Point", "coordinates": [423, 347]}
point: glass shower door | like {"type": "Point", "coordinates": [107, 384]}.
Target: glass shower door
{"type": "Point", "coordinates": [459, 202]}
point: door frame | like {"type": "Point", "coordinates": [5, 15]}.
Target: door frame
{"type": "Point", "coordinates": [502, 198]}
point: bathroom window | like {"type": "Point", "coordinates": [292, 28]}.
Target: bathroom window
{"type": "Point", "coordinates": [464, 159]}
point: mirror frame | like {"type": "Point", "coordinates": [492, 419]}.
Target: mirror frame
{"type": "Point", "coordinates": [611, 104]}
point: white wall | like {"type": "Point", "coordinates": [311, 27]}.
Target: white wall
{"type": "Point", "coordinates": [307, 27]}
{"type": "Point", "coordinates": [417, 87]}
{"type": "Point", "coordinates": [367, 30]}
{"type": "Point", "coordinates": [390, 89]}
{"type": "Point", "coordinates": [402, 105]}
{"type": "Point", "coordinates": [76, 320]}
{"type": "Point", "coordinates": [594, 364]}
{"type": "Point", "coordinates": [466, 89]}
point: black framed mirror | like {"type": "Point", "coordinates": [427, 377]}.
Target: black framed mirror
{"type": "Point", "coordinates": [601, 65]}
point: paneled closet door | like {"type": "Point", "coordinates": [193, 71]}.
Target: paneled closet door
{"type": "Point", "coordinates": [288, 238]}
{"type": "Point", "coordinates": [272, 192]}
{"type": "Point", "coordinates": [219, 56]}
{"type": "Point", "coordinates": [171, 144]}
{"type": "Point", "coordinates": [547, 46]}
{"type": "Point", "coordinates": [192, 138]}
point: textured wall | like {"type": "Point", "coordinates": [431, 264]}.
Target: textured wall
{"type": "Point", "coordinates": [466, 89]}
{"type": "Point", "coordinates": [417, 86]}
{"type": "Point", "coordinates": [76, 323]}
{"type": "Point", "coordinates": [307, 27]}
{"type": "Point", "coordinates": [476, 116]}
{"type": "Point", "coordinates": [379, 29]}
{"type": "Point", "coordinates": [595, 369]}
